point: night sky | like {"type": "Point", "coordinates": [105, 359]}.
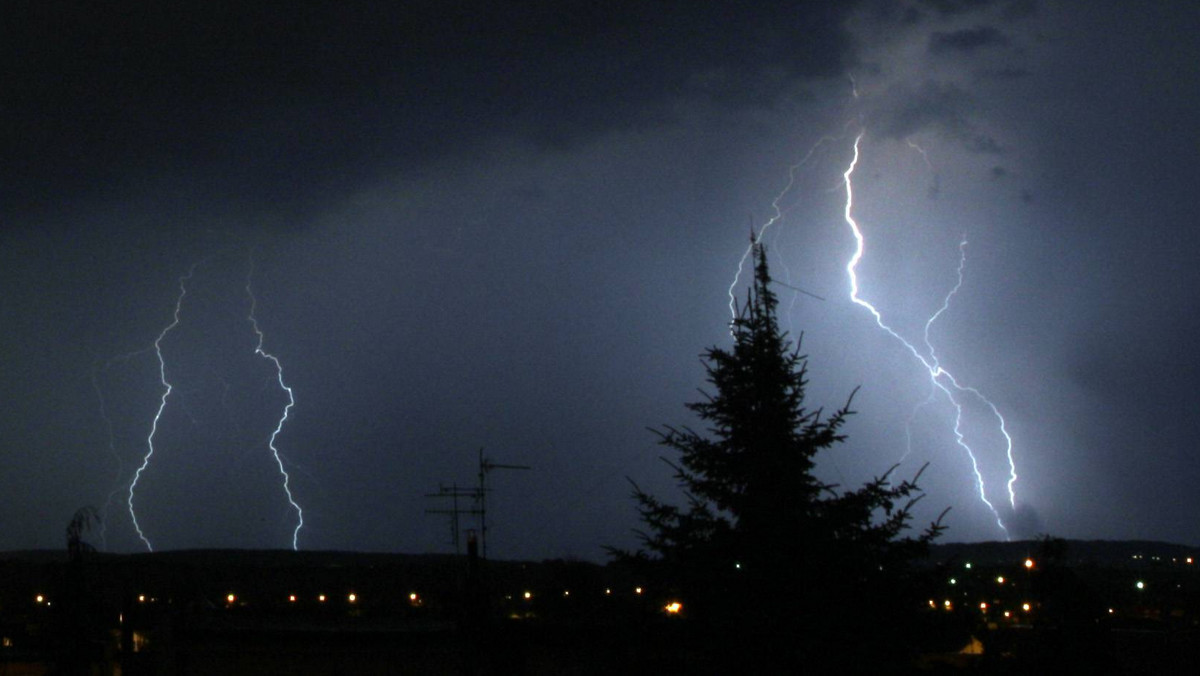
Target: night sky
{"type": "Point", "coordinates": [514, 226]}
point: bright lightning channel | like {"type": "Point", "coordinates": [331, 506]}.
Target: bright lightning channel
{"type": "Point", "coordinates": [162, 404]}
{"type": "Point", "coordinates": [286, 409]}
{"type": "Point", "coordinates": [940, 377]}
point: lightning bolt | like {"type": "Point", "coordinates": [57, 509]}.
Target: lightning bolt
{"type": "Point", "coordinates": [962, 262]}
{"type": "Point", "coordinates": [162, 404]}
{"type": "Point", "coordinates": [775, 218]}
{"type": "Point", "coordinates": [286, 409]}
{"type": "Point", "coordinates": [112, 443]}
{"type": "Point", "coordinates": [940, 378]}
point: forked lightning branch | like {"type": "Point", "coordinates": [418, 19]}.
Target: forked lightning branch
{"type": "Point", "coordinates": [942, 380]}
{"type": "Point", "coordinates": [168, 387]}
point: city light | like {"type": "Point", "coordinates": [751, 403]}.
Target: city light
{"type": "Point", "coordinates": [1140, 584]}
{"type": "Point", "coordinates": [291, 598]}
{"type": "Point", "coordinates": [1025, 607]}
{"type": "Point", "coordinates": [1000, 579]}
{"type": "Point", "coordinates": [673, 607]}
{"type": "Point", "coordinates": [352, 597]}
{"type": "Point", "coordinates": [230, 598]}
{"type": "Point", "coordinates": [1028, 564]}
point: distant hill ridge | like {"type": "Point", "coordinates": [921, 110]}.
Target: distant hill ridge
{"type": "Point", "coordinates": [1077, 552]}
{"type": "Point", "coordinates": [1107, 553]}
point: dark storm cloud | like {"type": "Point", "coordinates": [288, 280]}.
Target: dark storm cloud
{"type": "Point", "coordinates": [956, 7]}
{"type": "Point", "coordinates": [904, 111]}
{"type": "Point", "coordinates": [279, 106]}
{"type": "Point", "coordinates": [966, 41]}
{"type": "Point", "coordinates": [1015, 10]}
{"type": "Point", "coordinates": [1005, 73]}
{"type": "Point", "coordinates": [1010, 10]}
{"type": "Point", "coordinates": [952, 7]}
{"type": "Point", "coordinates": [983, 145]}
{"type": "Point", "coordinates": [944, 107]}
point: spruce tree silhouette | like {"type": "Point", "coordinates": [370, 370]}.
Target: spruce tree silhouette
{"type": "Point", "coordinates": [774, 566]}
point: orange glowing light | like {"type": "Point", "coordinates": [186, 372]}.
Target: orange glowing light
{"type": "Point", "coordinates": [673, 607]}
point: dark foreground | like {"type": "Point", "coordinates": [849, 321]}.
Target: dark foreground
{"type": "Point", "coordinates": [986, 612]}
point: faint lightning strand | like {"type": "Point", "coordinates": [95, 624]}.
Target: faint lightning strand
{"type": "Point", "coordinates": [775, 218]}
{"type": "Point", "coordinates": [962, 263]}
{"type": "Point", "coordinates": [286, 409]}
{"type": "Point", "coordinates": [112, 450]}
{"type": "Point", "coordinates": [937, 374]}
{"type": "Point", "coordinates": [1008, 451]}
{"type": "Point", "coordinates": [917, 147]}
{"type": "Point", "coordinates": [162, 404]}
